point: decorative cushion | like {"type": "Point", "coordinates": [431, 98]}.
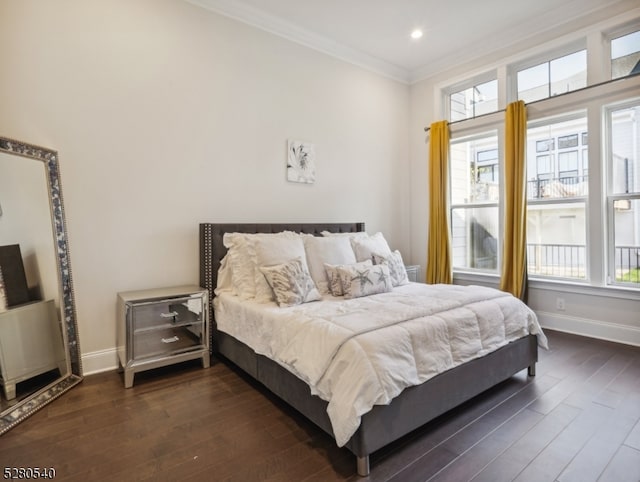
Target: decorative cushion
{"type": "Point", "coordinates": [333, 276]}
{"type": "Point", "coordinates": [365, 280]}
{"type": "Point", "coordinates": [365, 247]}
{"type": "Point", "coordinates": [291, 283]}
{"type": "Point", "coordinates": [240, 264]}
{"type": "Point", "coordinates": [268, 249]}
{"type": "Point", "coordinates": [396, 267]}
{"type": "Point", "coordinates": [332, 250]}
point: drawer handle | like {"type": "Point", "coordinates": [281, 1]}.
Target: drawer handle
{"type": "Point", "coordinates": [173, 339]}
{"type": "Point", "coordinates": [171, 314]}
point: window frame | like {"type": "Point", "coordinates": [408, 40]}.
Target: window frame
{"type": "Point", "coordinates": [610, 196]}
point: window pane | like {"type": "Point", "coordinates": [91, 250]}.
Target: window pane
{"type": "Point", "coordinates": [475, 238]}
{"type": "Point", "coordinates": [460, 105]}
{"type": "Point", "coordinates": [627, 241]}
{"type": "Point", "coordinates": [545, 146]}
{"type": "Point", "coordinates": [568, 141]}
{"type": "Point", "coordinates": [569, 73]}
{"type": "Point", "coordinates": [568, 164]}
{"type": "Point", "coordinates": [558, 174]}
{"type": "Point", "coordinates": [625, 55]}
{"type": "Point", "coordinates": [625, 145]}
{"type": "Point", "coordinates": [486, 98]}
{"type": "Point", "coordinates": [474, 101]}
{"type": "Point", "coordinates": [556, 240]}
{"type": "Point", "coordinates": [533, 83]}
{"type": "Point", "coordinates": [474, 171]}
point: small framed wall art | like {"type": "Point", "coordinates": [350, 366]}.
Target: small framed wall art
{"type": "Point", "coordinates": [301, 162]}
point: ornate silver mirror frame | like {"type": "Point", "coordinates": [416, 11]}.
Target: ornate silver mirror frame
{"type": "Point", "coordinates": [31, 404]}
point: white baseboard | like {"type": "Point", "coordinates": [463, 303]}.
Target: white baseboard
{"type": "Point", "coordinates": [99, 361]}
{"type": "Point", "coordinates": [625, 334]}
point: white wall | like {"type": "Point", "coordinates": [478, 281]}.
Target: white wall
{"type": "Point", "coordinates": [166, 115]}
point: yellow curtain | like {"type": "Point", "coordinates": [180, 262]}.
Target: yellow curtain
{"type": "Point", "coordinates": [514, 259]}
{"type": "Point", "coordinates": [438, 251]}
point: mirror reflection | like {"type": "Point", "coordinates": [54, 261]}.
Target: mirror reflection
{"type": "Point", "coordinates": [32, 352]}
{"type": "Point", "coordinates": [37, 316]}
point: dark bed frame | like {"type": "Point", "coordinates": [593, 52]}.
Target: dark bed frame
{"type": "Point", "coordinates": [384, 424]}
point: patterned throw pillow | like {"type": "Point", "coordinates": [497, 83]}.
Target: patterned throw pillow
{"type": "Point", "coordinates": [396, 267]}
{"type": "Point", "coordinates": [291, 283]}
{"type": "Point", "coordinates": [333, 276]}
{"type": "Point", "coordinates": [364, 280]}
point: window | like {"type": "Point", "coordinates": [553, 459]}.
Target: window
{"type": "Point", "coordinates": [475, 192]}
{"type": "Point", "coordinates": [474, 101]}
{"type": "Point", "coordinates": [625, 55]}
{"type": "Point", "coordinates": [556, 212]}
{"type": "Point", "coordinates": [624, 194]}
{"type": "Point", "coordinates": [554, 77]}
{"type": "Point", "coordinates": [583, 208]}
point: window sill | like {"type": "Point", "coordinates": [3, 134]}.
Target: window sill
{"type": "Point", "coordinates": [553, 285]}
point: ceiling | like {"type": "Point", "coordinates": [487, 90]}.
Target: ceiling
{"type": "Point", "coordinates": [376, 33]}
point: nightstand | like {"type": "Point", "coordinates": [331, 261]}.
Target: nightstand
{"type": "Point", "coordinates": [160, 327]}
{"type": "Point", "coordinates": [412, 272]}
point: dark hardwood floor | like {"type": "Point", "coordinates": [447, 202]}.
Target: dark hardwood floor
{"type": "Point", "coordinates": [577, 420]}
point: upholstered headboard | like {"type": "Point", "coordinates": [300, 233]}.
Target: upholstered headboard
{"type": "Point", "coordinates": [212, 249]}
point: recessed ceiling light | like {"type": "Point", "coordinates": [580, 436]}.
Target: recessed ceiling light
{"type": "Point", "coordinates": [416, 34]}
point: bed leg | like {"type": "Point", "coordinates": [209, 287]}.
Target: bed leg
{"type": "Point", "coordinates": [363, 466]}
{"type": "Point", "coordinates": [531, 371]}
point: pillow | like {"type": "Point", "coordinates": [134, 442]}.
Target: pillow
{"type": "Point", "coordinates": [271, 249]}
{"type": "Point", "coordinates": [291, 283]}
{"type": "Point", "coordinates": [225, 283]}
{"type": "Point", "coordinates": [240, 264]}
{"type": "Point", "coordinates": [365, 247]}
{"type": "Point", "coordinates": [354, 234]}
{"type": "Point", "coordinates": [332, 250]}
{"type": "Point", "coordinates": [364, 281]}
{"type": "Point", "coordinates": [396, 267]}
{"type": "Point", "coordinates": [333, 276]}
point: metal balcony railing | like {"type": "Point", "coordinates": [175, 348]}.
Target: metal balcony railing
{"type": "Point", "coordinates": [569, 261]}
{"type": "Point", "coordinates": [561, 260]}
{"type": "Point", "coordinates": [627, 263]}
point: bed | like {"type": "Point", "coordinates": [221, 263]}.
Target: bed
{"type": "Point", "coordinates": [382, 424]}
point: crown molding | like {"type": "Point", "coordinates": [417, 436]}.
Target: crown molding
{"type": "Point", "coordinates": [277, 26]}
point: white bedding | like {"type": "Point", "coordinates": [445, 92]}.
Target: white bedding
{"type": "Point", "coordinates": [362, 352]}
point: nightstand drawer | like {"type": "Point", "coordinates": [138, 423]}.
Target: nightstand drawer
{"type": "Point", "coordinates": [166, 314]}
{"type": "Point", "coordinates": [168, 341]}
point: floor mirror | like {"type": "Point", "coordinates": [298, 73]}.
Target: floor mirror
{"type": "Point", "coordinates": [39, 350]}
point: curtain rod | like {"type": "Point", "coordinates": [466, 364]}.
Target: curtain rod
{"type": "Point", "coordinates": [426, 129]}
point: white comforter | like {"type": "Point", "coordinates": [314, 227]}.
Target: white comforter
{"type": "Point", "coordinates": [363, 352]}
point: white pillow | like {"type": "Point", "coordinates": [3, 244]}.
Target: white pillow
{"type": "Point", "coordinates": [333, 275]}
{"type": "Point", "coordinates": [396, 267]}
{"type": "Point", "coordinates": [364, 281]}
{"type": "Point", "coordinates": [354, 234]}
{"type": "Point", "coordinates": [225, 282]}
{"type": "Point", "coordinates": [271, 249]}
{"type": "Point", "coordinates": [365, 247]}
{"type": "Point", "coordinates": [241, 264]}
{"type": "Point", "coordinates": [291, 283]}
{"type": "Point", "coordinates": [332, 250]}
